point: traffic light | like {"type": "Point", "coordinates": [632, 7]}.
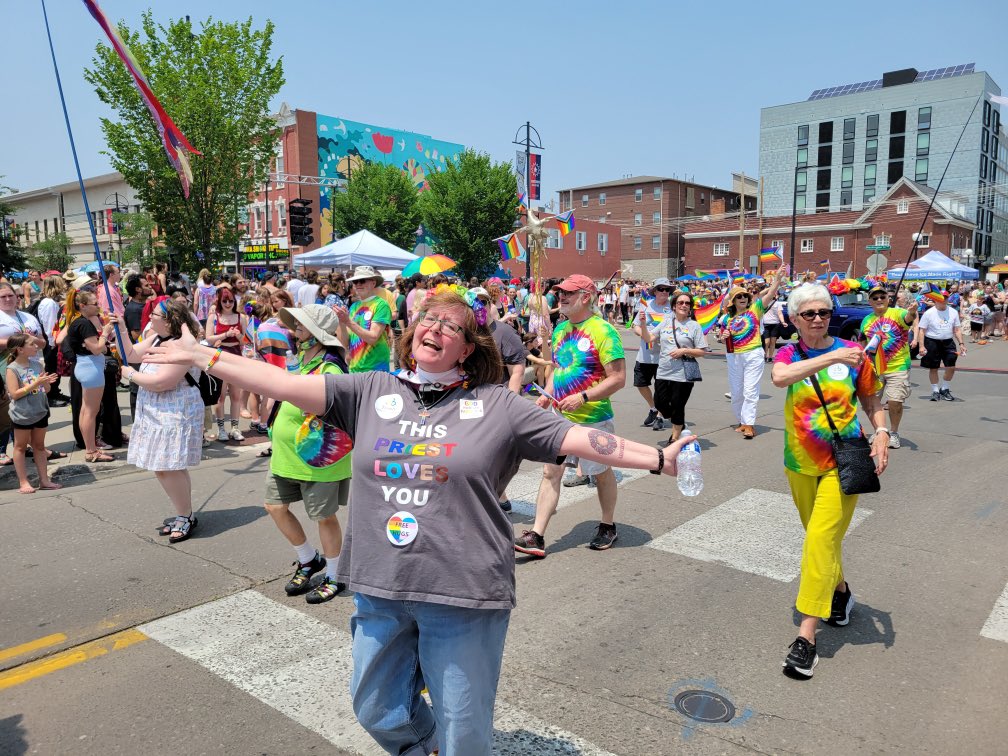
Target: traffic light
{"type": "Point", "coordinates": [300, 213]}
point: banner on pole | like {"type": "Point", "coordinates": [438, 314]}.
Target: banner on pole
{"type": "Point", "coordinates": [535, 172]}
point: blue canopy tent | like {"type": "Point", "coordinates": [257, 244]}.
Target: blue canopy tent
{"type": "Point", "coordinates": [688, 277]}
{"type": "Point", "coordinates": [934, 266]}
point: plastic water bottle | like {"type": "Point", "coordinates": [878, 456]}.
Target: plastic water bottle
{"type": "Point", "coordinates": [690, 476]}
{"type": "Point", "coordinates": [293, 366]}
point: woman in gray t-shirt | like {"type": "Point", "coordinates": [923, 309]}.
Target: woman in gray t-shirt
{"type": "Point", "coordinates": [677, 336]}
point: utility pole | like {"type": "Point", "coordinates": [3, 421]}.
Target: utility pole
{"type": "Point", "coordinates": [741, 224]}
{"type": "Point", "coordinates": [759, 245]}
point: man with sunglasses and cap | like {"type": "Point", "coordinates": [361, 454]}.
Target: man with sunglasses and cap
{"type": "Point", "coordinates": [888, 331]}
{"type": "Point", "coordinates": [650, 315]}
{"type": "Point", "coordinates": [364, 327]}
{"type": "Point", "coordinates": [588, 368]}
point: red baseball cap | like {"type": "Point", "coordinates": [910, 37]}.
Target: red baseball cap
{"type": "Point", "coordinates": [577, 282]}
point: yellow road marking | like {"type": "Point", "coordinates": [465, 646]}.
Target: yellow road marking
{"type": "Point", "coordinates": [64, 659]}
{"type": "Point", "coordinates": [26, 648]}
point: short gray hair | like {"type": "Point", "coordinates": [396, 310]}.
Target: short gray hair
{"type": "Point", "coordinates": [802, 295]}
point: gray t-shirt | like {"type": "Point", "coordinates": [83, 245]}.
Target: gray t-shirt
{"type": "Point", "coordinates": [690, 336]}
{"type": "Point", "coordinates": [424, 521]}
{"type": "Point", "coordinates": [655, 315]}
{"type": "Point", "coordinates": [33, 407]}
{"type": "Point", "coordinates": [510, 344]}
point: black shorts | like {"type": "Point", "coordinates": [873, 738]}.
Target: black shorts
{"type": "Point", "coordinates": [43, 423]}
{"type": "Point", "coordinates": [939, 352]}
{"type": "Point", "coordinates": [771, 330]}
{"type": "Point", "coordinates": [976, 327]}
{"type": "Point", "coordinates": [644, 374]}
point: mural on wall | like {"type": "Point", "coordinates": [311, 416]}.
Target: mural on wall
{"type": "Point", "coordinates": [343, 146]}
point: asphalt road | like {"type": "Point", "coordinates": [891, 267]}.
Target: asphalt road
{"type": "Point", "coordinates": [113, 642]}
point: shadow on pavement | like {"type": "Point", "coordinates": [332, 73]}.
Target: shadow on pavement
{"type": "Point", "coordinates": [581, 534]}
{"type": "Point", "coordinates": [12, 736]}
{"type": "Point", "coordinates": [867, 626]}
{"type": "Point", "coordinates": [215, 522]}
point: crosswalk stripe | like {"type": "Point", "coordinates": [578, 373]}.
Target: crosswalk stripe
{"type": "Point", "coordinates": [996, 626]}
{"type": "Point", "coordinates": [523, 489]}
{"type": "Point", "coordinates": [301, 667]}
{"type": "Point", "coordinates": [757, 532]}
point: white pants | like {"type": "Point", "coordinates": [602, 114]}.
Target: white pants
{"type": "Point", "coordinates": [745, 371]}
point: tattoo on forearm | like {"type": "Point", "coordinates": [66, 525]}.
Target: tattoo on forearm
{"type": "Point", "coordinates": [622, 444]}
{"type": "Point", "coordinates": [602, 442]}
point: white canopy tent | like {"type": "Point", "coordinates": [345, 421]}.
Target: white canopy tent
{"type": "Point", "coordinates": [362, 248]}
{"type": "Point", "coordinates": [934, 266]}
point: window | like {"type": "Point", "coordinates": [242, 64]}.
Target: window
{"type": "Point", "coordinates": [903, 207]}
{"type": "Point", "coordinates": [848, 129]}
{"type": "Point", "coordinates": [603, 243]}
{"type": "Point", "coordinates": [580, 240]}
{"type": "Point", "coordinates": [656, 219]}
{"type": "Point", "coordinates": [656, 193]}
{"type": "Point", "coordinates": [847, 177]}
{"type": "Point", "coordinates": [779, 244]}
{"type": "Point", "coordinates": [836, 244]}
{"type": "Point", "coordinates": [897, 122]}
{"type": "Point", "coordinates": [985, 140]}
{"type": "Point", "coordinates": [282, 215]}
{"type": "Point", "coordinates": [584, 200]}
{"type": "Point", "coordinates": [987, 113]}
{"type": "Point", "coordinates": [983, 167]}
{"type": "Point", "coordinates": [882, 240]}
{"type": "Point", "coordinates": [923, 143]}
{"type": "Point", "coordinates": [269, 219]}
{"type": "Point", "coordinates": [924, 119]}
{"type": "Point", "coordinates": [802, 157]}
{"type": "Point", "coordinates": [869, 195]}
{"type": "Point", "coordinates": [637, 243]}
{"type": "Point", "coordinates": [895, 172]}
{"type": "Point", "coordinates": [45, 227]}
{"type": "Point", "coordinates": [638, 195]}
{"type": "Point", "coordinates": [825, 132]}
{"type": "Point", "coordinates": [822, 202]}
{"type": "Point", "coordinates": [800, 203]}
{"type": "Point", "coordinates": [872, 130]}
{"type": "Point", "coordinates": [825, 155]}
{"type": "Point", "coordinates": [869, 174]}
{"type": "Point", "coordinates": [554, 240]}
{"type": "Point", "coordinates": [823, 176]}
{"type": "Point", "coordinates": [601, 198]}
{"type": "Point", "coordinates": [801, 181]}
{"type": "Point", "coordinates": [690, 197]}
{"type": "Point", "coordinates": [921, 170]}
{"type": "Point", "coordinates": [638, 219]}
{"type": "Point", "coordinates": [924, 241]}
{"type": "Point", "coordinates": [655, 242]}
{"type": "Point", "coordinates": [803, 136]}
{"type": "Point", "coordinates": [807, 245]}
{"type": "Point", "coordinates": [848, 152]}
{"type": "Point", "coordinates": [871, 151]}
{"type": "Point", "coordinates": [721, 250]}
{"type": "Point", "coordinates": [846, 198]}
{"type": "Point", "coordinates": [897, 146]}
{"type": "Point", "coordinates": [279, 160]}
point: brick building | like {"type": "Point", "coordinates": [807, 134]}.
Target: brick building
{"type": "Point", "coordinates": [648, 214]}
{"type": "Point", "coordinates": [593, 248]}
{"type": "Point", "coordinates": [841, 237]}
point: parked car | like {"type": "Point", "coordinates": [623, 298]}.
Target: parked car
{"type": "Point", "coordinates": [848, 312]}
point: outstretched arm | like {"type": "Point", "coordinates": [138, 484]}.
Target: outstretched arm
{"type": "Point", "coordinates": [608, 449]}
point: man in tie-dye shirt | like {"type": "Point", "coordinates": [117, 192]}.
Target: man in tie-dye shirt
{"type": "Point", "coordinates": [365, 327]}
{"type": "Point", "coordinates": [887, 331]}
{"type": "Point", "coordinates": [588, 368]}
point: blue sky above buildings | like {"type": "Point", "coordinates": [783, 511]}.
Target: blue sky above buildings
{"type": "Point", "coordinates": [613, 88]}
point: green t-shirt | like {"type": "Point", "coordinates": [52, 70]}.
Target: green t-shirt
{"type": "Point", "coordinates": [893, 352]}
{"type": "Point", "coordinates": [580, 353]}
{"type": "Point", "coordinates": [364, 356]}
{"type": "Point", "coordinates": [304, 448]}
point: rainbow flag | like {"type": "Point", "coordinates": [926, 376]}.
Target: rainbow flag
{"type": "Point", "coordinates": [770, 256]}
{"type": "Point", "coordinates": [173, 140]}
{"type": "Point", "coordinates": [510, 247]}
{"type": "Point", "coordinates": [522, 197]}
{"type": "Point", "coordinates": [566, 222]}
{"type": "Point", "coordinates": [704, 274]}
{"type": "Point", "coordinates": [825, 263]}
{"type": "Point", "coordinates": [707, 315]}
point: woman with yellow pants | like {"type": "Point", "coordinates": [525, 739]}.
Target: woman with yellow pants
{"type": "Point", "coordinates": [845, 377]}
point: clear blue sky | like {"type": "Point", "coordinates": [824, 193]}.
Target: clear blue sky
{"type": "Point", "coordinates": [614, 88]}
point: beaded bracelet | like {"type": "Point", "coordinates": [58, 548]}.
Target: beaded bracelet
{"type": "Point", "coordinates": [213, 360]}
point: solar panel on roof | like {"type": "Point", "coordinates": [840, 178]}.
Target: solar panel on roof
{"type": "Point", "coordinates": [867, 86]}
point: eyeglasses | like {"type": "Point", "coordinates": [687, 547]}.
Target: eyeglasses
{"type": "Point", "coordinates": [662, 288]}
{"type": "Point", "coordinates": [447, 326]}
{"type": "Point", "coordinates": [682, 302]}
{"type": "Point", "coordinates": [811, 315]}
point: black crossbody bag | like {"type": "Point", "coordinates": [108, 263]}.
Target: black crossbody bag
{"type": "Point", "coordinates": [855, 466]}
{"type": "Point", "coordinates": [691, 368]}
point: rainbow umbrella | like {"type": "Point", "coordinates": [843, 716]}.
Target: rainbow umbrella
{"type": "Point", "coordinates": [428, 266]}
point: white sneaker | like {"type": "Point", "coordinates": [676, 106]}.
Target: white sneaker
{"type": "Point", "coordinates": [222, 435]}
{"type": "Point", "coordinates": [236, 435]}
{"type": "Point", "coordinates": [894, 440]}
{"type": "Point", "coordinates": [727, 394]}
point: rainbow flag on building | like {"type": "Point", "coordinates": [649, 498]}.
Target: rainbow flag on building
{"type": "Point", "coordinates": [510, 247]}
{"type": "Point", "coordinates": [770, 255]}
{"type": "Point", "coordinates": [566, 222]}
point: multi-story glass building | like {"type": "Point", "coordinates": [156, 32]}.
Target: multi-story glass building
{"type": "Point", "coordinates": [845, 146]}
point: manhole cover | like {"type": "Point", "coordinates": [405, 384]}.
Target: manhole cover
{"type": "Point", "coordinates": [704, 706]}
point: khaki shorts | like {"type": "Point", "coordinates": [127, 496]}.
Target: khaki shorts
{"type": "Point", "coordinates": [321, 499]}
{"type": "Point", "coordinates": [588, 467]}
{"type": "Point", "coordinates": [896, 386]}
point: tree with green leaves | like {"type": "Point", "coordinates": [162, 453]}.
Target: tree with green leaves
{"type": "Point", "coordinates": [382, 199]}
{"type": "Point", "coordinates": [466, 207]}
{"type": "Point", "coordinates": [136, 230]}
{"type": "Point", "coordinates": [11, 249]}
{"type": "Point", "coordinates": [52, 253]}
{"type": "Point", "coordinates": [216, 83]}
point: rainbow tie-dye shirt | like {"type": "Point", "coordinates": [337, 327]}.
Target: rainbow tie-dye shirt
{"type": "Point", "coordinates": [362, 356]}
{"type": "Point", "coordinates": [893, 353]}
{"type": "Point", "coordinates": [580, 353]}
{"type": "Point", "coordinates": [807, 435]}
{"type": "Point", "coordinates": [745, 327]}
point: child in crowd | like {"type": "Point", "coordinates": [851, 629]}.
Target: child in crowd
{"type": "Point", "coordinates": [978, 313]}
{"type": "Point", "coordinates": [27, 383]}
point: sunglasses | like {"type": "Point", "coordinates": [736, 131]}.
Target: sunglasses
{"type": "Point", "coordinates": [682, 302]}
{"type": "Point", "coordinates": [662, 288]}
{"type": "Point", "coordinates": [811, 315]}
{"type": "Point", "coordinates": [878, 297]}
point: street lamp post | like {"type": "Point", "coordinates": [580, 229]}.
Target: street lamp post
{"type": "Point", "coordinates": [794, 209]}
{"type": "Point", "coordinates": [528, 143]}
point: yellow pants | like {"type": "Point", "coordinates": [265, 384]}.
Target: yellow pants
{"type": "Point", "coordinates": [825, 514]}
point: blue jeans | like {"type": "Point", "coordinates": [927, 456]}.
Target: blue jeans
{"type": "Point", "coordinates": [398, 646]}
